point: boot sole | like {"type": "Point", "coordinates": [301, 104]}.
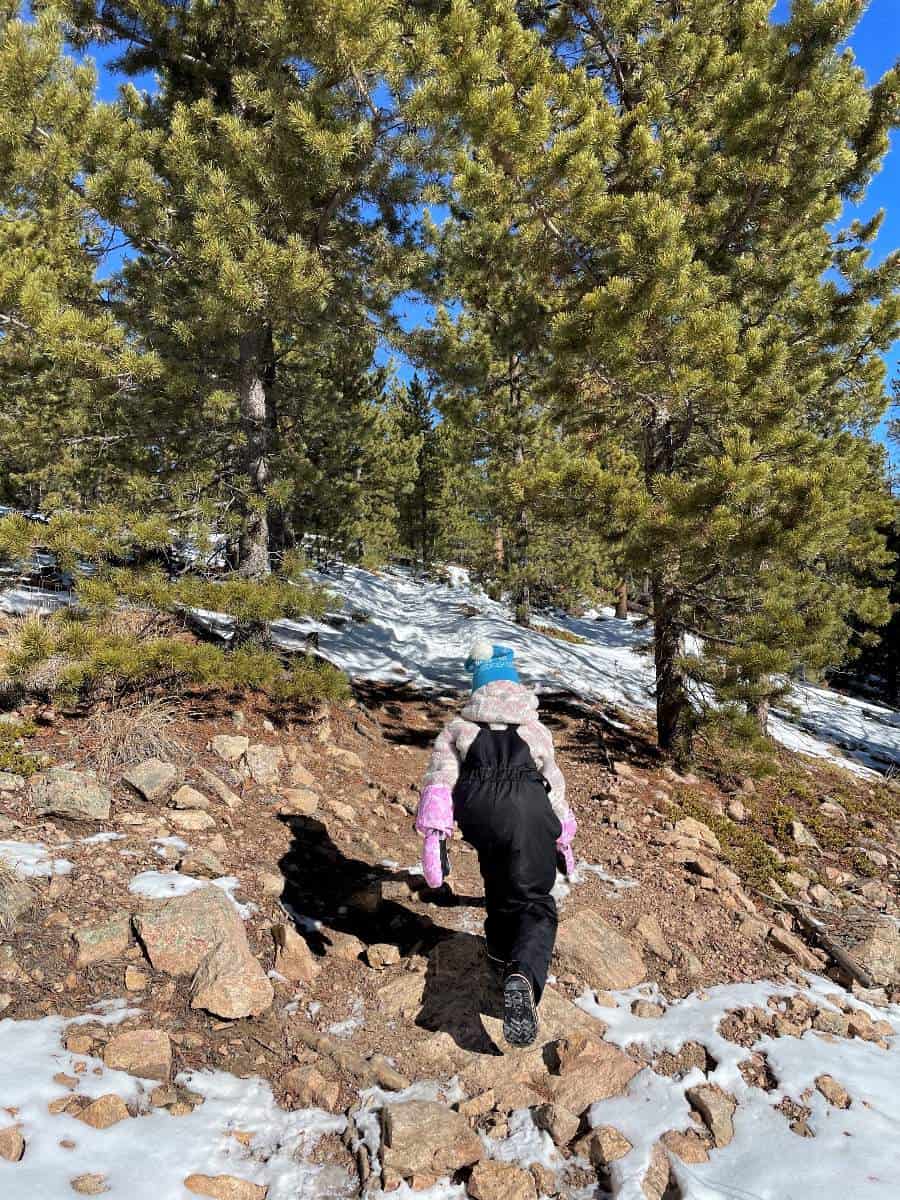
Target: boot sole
{"type": "Point", "coordinates": [520, 1023]}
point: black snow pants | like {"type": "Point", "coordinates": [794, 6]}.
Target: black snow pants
{"type": "Point", "coordinates": [501, 806]}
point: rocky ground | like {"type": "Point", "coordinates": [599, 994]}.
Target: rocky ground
{"type": "Point", "coordinates": [250, 888]}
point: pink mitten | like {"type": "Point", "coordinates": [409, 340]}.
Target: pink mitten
{"type": "Point", "coordinates": [431, 860]}
{"type": "Point", "coordinates": [565, 839]}
{"type": "Point", "coordinates": [435, 810]}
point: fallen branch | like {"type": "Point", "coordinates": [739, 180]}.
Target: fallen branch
{"type": "Point", "coordinates": [817, 931]}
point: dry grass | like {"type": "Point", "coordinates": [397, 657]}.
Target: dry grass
{"type": "Point", "coordinates": [16, 897]}
{"type": "Point", "coordinates": [129, 734]}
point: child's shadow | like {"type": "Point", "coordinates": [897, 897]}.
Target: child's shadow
{"type": "Point", "coordinates": [324, 884]}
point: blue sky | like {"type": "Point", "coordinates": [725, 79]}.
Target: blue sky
{"type": "Point", "coordinates": [876, 44]}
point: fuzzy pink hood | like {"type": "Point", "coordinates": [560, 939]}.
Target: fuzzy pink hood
{"type": "Point", "coordinates": [501, 703]}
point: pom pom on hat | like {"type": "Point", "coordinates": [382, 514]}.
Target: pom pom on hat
{"type": "Point", "coordinates": [481, 650]}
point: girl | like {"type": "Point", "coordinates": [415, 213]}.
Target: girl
{"type": "Point", "coordinates": [492, 771]}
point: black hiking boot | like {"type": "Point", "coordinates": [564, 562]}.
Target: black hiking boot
{"type": "Point", "coordinates": [520, 1020]}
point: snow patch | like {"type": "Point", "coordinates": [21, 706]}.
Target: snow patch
{"type": "Point", "coordinates": [164, 885]}
{"type": "Point", "coordinates": [31, 859]}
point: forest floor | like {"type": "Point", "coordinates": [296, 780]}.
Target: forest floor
{"type": "Point", "coordinates": [694, 1041]}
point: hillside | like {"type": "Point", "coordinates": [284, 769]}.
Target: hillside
{"type": "Point", "coordinates": [345, 1041]}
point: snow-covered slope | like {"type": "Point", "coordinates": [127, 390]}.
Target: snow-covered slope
{"type": "Point", "coordinates": [419, 632]}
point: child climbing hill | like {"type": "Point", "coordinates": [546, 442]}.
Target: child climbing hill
{"type": "Point", "coordinates": [493, 773]}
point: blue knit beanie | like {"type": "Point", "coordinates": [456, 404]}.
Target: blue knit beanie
{"type": "Point", "coordinates": [489, 663]}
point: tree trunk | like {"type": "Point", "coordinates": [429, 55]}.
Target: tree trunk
{"type": "Point", "coordinates": [253, 559]}
{"type": "Point", "coordinates": [761, 712]}
{"type": "Point", "coordinates": [622, 601]}
{"type": "Point", "coordinates": [523, 591]}
{"type": "Point", "coordinates": [673, 710]}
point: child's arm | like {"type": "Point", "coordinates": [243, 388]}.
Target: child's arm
{"type": "Point", "coordinates": [434, 819]}
{"type": "Point", "coordinates": [540, 743]}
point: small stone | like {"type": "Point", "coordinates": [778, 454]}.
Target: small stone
{"type": "Point", "coordinates": [792, 945]}
{"type": "Point", "coordinates": [293, 957]}
{"type": "Point", "coordinates": [135, 980]}
{"type": "Point", "coordinates": [300, 777]}
{"type": "Point", "coordinates": [271, 883]}
{"type": "Point", "coordinates": [225, 1187]}
{"type": "Point", "coordinates": [10, 782]}
{"type": "Point", "coordinates": [803, 837]}
{"type": "Point", "coordinates": [264, 763]}
{"type": "Point", "coordinates": [561, 1124]}
{"type": "Point", "coordinates": [716, 1107]}
{"type": "Point", "coordinates": [833, 1092]}
{"type": "Point", "coordinates": [312, 1089]}
{"type": "Point", "coordinates": [104, 1112]}
{"type": "Point", "coordinates": [648, 928]}
{"type": "Point", "coordinates": [302, 801]}
{"type": "Point", "coordinates": [230, 983]}
{"type": "Point", "coordinates": [346, 758]}
{"type": "Point", "coordinates": [689, 1147]}
{"type": "Point", "coordinates": [193, 820]}
{"type": "Point", "coordinates": [381, 955]}
{"type": "Point", "coordinates": [89, 1185]}
{"type": "Point", "coordinates": [188, 797]}
{"type": "Point", "coordinates": [343, 812]}
{"type": "Point", "coordinates": [823, 897]}
{"type": "Point", "coordinates": [12, 1144]}
{"type": "Point", "coordinates": [690, 827]}
{"type": "Point", "coordinates": [202, 863]}
{"type": "Point", "coordinates": [146, 1053]}
{"type": "Point", "coordinates": [647, 1009]}
{"type": "Point", "coordinates": [738, 812]}
{"type": "Point", "coordinates": [493, 1180]}
{"type": "Point", "coordinates": [152, 779]}
{"type": "Point", "coordinates": [835, 1023]}
{"type": "Point", "coordinates": [602, 1146]}
{"type": "Point", "coordinates": [231, 748]}
{"type": "Point", "coordinates": [79, 1043]}
{"type": "Point", "coordinates": [218, 786]}
{"type": "Point", "coordinates": [590, 1070]}
{"type": "Point", "coordinates": [101, 943]}
{"type": "Point", "coordinates": [656, 1178]}
{"type": "Point", "coordinates": [478, 1105]}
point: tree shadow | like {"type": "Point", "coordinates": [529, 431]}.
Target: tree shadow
{"type": "Point", "coordinates": [327, 892]}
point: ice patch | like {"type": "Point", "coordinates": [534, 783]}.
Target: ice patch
{"type": "Point", "coordinates": [32, 859]}
{"type": "Point", "coordinates": [98, 839]}
{"type": "Point", "coordinates": [352, 1023]}
{"type": "Point", "coordinates": [162, 844]}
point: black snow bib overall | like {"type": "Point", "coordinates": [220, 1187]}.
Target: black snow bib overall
{"type": "Point", "coordinates": [502, 808]}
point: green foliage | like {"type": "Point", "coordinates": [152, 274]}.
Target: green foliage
{"type": "Point", "coordinates": [742, 846]}
{"type": "Point", "coordinates": [13, 757]}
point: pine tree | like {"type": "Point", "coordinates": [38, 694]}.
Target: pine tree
{"type": "Point", "coordinates": [261, 188]}
{"type": "Point", "coordinates": [418, 422]}
{"type": "Point", "coordinates": [675, 170]}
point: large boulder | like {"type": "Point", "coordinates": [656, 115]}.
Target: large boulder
{"type": "Point", "coordinates": [422, 1137]}
{"type": "Point", "coordinates": [593, 950]}
{"type": "Point", "coordinates": [590, 1070]}
{"type": "Point", "coordinates": [101, 943]}
{"type": "Point", "coordinates": [178, 934]}
{"type": "Point", "coordinates": [875, 944]}
{"type": "Point", "coordinates": [16, 897]}
{"type": "Point", "coordinates": [264, 763]}
{"type": "Point", "coordinates": [59, 792]}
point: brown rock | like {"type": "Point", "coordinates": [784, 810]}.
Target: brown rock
{"type": "Point", "coordinates": [716, 1107]}
{"type": "Point", "coordinates": [300, 777]}
{"type": "Point", "coordinates": [492, 1180]}
{"type": "Point", "coordinates": [876, 946]}
{"type": "Point", "coordinates": [60, 792]}
{"type": "Point", "coordinates": [135, 980]}
{"type": "Point", "coordinates": [231, 748]}
{"type": "Point", "coordinates": [828, 1021]}
{"type": "Point", "coordinates": [264, 763]}
{"type": "Point", "coordinates": [218, 786]}
{"type": "Point", "coordinates": [803, 837]}
{"type": "Point", "coordinates": [179, 934]}
{"type": "Point", "coordinates": [293, 957]}
{"type": "Point", "coordinates": [146, 1053]}
{"type": "Point", "coordinates": [302, 801]}
{"type": "Point", "coordinates": [605, 1072]}
{"type": "Point", "coordinates": [17, 897]}
{"type": "Point", "coordinates": [381, 955]}
{"type": "Point", "coordinates": [422, 1137]}
{"type": "Point", "coordinates": [561, 1124]}
{"type": "Point", "coordinates": [202, 864]}
{"type": "Point", "coordinates": [649, 930]}
{"type": "Point", "coordinates": [347, 759]}
{"type": "Point", "coordinates": [689, 1147]}
{"type": "Point", "coordinates": [690, 827]}
{"type": "Point", "coordinates": [656, 1180]}
{"type": "Point", "coordinates": [647, 1009]}
{"type": "Point", "coordinates": [89, 1185]}
{"type": "Point", "coordinates": [12, 1144]}
{"type": "Point", "coordinates": [230, 983]}
{"type": "Point", "coordinates": [104, 1111]}
{"type": "Point", "coordinates": [792, 945]}
{"type": "Point", "coordinates": [225, 1187]}
{"type": "Point", "coordinates": [100, 943]}
{"type": "Point", "coordinates": [833, 1092]}
{"type": "Point", "coordinates": [738, 812]}
{"type": "Point", "coordinates": [312, 1089]}
{"type": "Point", "coordinates": [152, 779]}
{"type": "Point", "coordinates": [597, 953]}
{"type": "Point", "coordinates": [602, 1146]}
{"type": "Point", "coordinates": [188, 797]}
{"type": "Point", "coordinates": [478, 1105]}
{"type": "Point", "coordinates": [193, 820]}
